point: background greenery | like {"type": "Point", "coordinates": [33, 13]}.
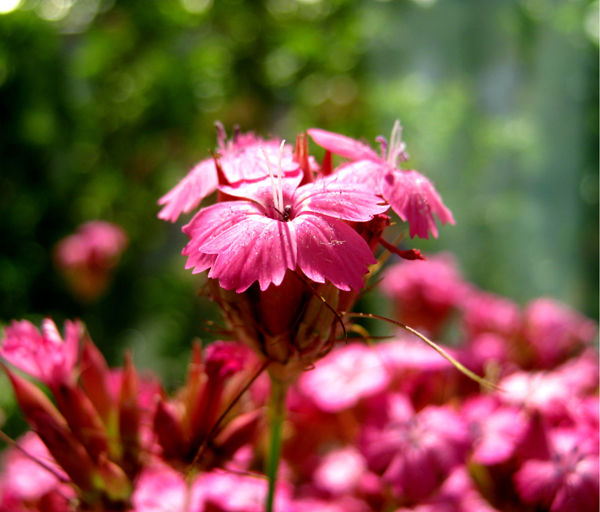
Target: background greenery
{"type": "Point", "coordinates": [105, 105]}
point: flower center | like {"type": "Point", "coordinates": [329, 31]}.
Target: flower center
{"type": "Point", "coordinates": [283, 210]}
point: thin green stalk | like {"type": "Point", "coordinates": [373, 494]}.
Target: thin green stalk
{"type": "Point", "coordinates": [277, 416]}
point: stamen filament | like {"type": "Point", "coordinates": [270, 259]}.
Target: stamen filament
{"type": "Point", "coordinates": [280, 184]}
{"type": "Point", "coordinates": [273, 188]}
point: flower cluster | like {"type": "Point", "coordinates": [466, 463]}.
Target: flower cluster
{"type": "Point", "coordinates": [288, 235]}
{"type": "Point", "coordinates": [371, 428]}
{"type": "Point", "coordinates": [390, 426]}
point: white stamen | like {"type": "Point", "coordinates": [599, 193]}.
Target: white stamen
{"type": "Point", "coordinates": [272, 180]}
{"type": "Point", "coordinates": [394, 141]}
{"type": "Point", "coordinates": [280, 184]}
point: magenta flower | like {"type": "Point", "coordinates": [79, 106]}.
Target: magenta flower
{"type": "Point", "coordinates": [412, 196]}
{"type": "Point", "coordinates": [240, 159]}
{"type": "Point", "coordinates": [24, 476]}
{"type": "Point", "coordinates": [497, 430]}
{"type": "Point", "coordinates": [555, 332]}
{"type": "Point", "coordinates": [568, 480]}
{"type": "Point", "coordinates": [44, 355]}
{"type": "Point", "coordinates": [275, 228]}
{"type": "Point", "coordinates": [340, 471]}
{"type": "Point", "coordinates": [425, 292]}
{"type": "Point", "coordinates": [88, 257]}
{"type": "Point", "coordinates": [345, 377]}
{"type": "Point", "coordinates": [416, 451]}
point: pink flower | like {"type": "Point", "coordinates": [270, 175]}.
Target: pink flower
{"type": "Point", "coordinates": [457, 494]}
{"type": "Point", "coordinates": [240, 159]}
{"type": "Point", "coordinates": [160, 488]}
{"type": "Point", "coordinates": [272, 229]}
{"type": "Point", "coordinates": [229, 492]}
{"type": "Point", "coordinates": [412, 196]}
{"type": "Point", "coordinates": [340, 471]}
{"type": "Point", "coordinates": [568, 480]}
{"type": "Point", "coordinates": [26, 480]}
{"type": "Point", "coordinates": [425, 291]}
{"type": "Point", "coordinates": [416, 451]}
{"type": "Point", "coordinates": [87, 257]}
{"type": "Point", "coordinates": [486, 312]}
{"type": "Point", "coordinates": [497, 430]}
{"type": "Point", "coordinates": [344, 377]}
{"type": "Point", "coordinates": [44, 355]}
{"type": "Point", "coordinates": [555, 331]}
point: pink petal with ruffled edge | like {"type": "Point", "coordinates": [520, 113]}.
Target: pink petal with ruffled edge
{"type": "Point", "coordinates": [200, 182]}
{"type": "Point", "coordinates": [414, 198]}
{"type": "Point", "coordinates": [241, 161]}
{"type": "Point", "coordinates": [255, 249]}
{"type": "Point", "coordinates": [340, 201]}
{"type": "Point", "coordinates": [329, 249]}
{"type": "Point", "coordinates": [341, 145]}
{"type": "Point", "coordinates": [209, 223]}
{"type": "Point", "coordinates": [250, 164]}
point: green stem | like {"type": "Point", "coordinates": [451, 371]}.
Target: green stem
{"type": "Point", "coordinates": [277, 416]}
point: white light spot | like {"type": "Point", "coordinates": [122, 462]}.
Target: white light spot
{"type": "Point", "coordinates": [7, 6]}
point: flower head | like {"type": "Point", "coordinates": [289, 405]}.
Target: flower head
{"type": "Point", "coordinates": [43, 355]}
{"type": "Point", "coordinates": [87, 258]}
{"type": "Point", "coordinates": [412, 196]}
{"type": "Point", "coordinates": [275, 228]}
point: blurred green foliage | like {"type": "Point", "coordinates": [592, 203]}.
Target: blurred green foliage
{"type": "Point", "coordinates": [105, 105]}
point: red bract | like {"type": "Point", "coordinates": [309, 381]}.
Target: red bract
{"type": "Point", "coordinates": [412, 196]}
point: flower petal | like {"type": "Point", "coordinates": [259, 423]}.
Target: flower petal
{"type": "Point", "coordinates": [341, 145]}
{"type": "Point", "coordinates": [255, 249]}
{"type": "Point", "coordinates": [200, 182]}
{"type": "Point", "coordinates": [330, 249]}
{"type": "Point", "coordinates": [207, 224]}
{"type": "Point", "coordinates": [414, 198]}
{"type": "Point", "coordinates": [338, 200]}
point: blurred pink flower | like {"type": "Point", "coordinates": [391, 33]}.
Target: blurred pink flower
{"type": "Point", "coordinates": [240, 159]}
{"type": "Point", "coordinates": [88, 257]}
{"type": "Point", "coordinates": [412, 196]}
{"type": "Point", "coordinates": [159, 488]}
{"type": "Point", "coordinates": [550, 393]}
{"type": "Point", "coordinates": [425, 292]}
{"type": "Point", "coordinates": [568, 480]}
{"type": "Point", "coordinates": [340, 471]}
{"type": "Point", "coordinates": [43, 355]}
{"type": "Point", "coordinates": [344, 377]}
{"type": "Point", "coordinates": [457, 494]}
{"type": "Point", "coordinates": [555, 331]}
{"type": "Point", "coordinates": [272, 229]}
{"type": "Point", "coordinates": [24, 479]}
{"type": "Point", "coordinates": [497, 429]}
{"type": "Point", "coordinates": [416, 451]}
{"type": "Point", "coordinates": [486, 312]}
{"type": "Point", "coordinates": [230, 492]}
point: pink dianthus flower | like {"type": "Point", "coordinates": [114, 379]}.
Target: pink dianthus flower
{"type": "Point", "coordinates": [267, 232]}
{"type": "Point", "coordinates": [568, 480]}
{"type": "Point", "coordinates": [412, 196]}
{"type": "Point", "coordinates": [43, 355]}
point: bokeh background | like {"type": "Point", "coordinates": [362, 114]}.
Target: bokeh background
{"type": "Point", "coordinates": [106, 104]}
